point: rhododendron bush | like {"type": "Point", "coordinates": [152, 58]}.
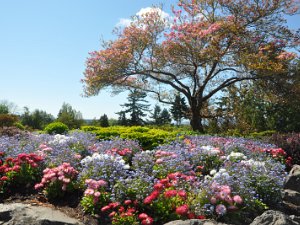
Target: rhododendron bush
{"type": "Point", "coordinates": [202, 48]}
{"type": "Point", "coordinates": [195, 177]}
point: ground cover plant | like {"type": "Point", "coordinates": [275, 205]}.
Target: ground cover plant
{"type": "Point", "coordinates": [192, 177]}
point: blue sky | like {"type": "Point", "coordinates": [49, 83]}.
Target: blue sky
{"type": "Point", "coordinates": [44, 45]}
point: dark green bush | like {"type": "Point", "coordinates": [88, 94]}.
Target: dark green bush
{"type": "Point", "coordinates": [7, 120]}
{"type": "Point", "coordinates": [56, 128]}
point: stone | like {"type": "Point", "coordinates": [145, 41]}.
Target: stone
{"type": "Point", "coordinates": [272, 217]}
{"type": "Point", "coordinates": [291, 192]}
{"type": "Point", "coordinates": [292, 181]}
{"type": "Point", "coordinates": [194, 222]}
{"type": "Point", "coordinates": [21, 214]}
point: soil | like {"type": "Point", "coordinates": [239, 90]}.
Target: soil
{"type": "Point", "coordinates": [69, 205]}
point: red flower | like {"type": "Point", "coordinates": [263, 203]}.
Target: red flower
{"type": "Point", "coordinates": [158, 186]}
{"type": "Point", "coordinates": [170, 193]}
{"type": "Point", "coordinates": [182, 194]}
{"type": "Point", "coordinates": [148, 200]}
{"type": "Point", "coordinates": [201, 217]}
{"type": "Point", "coordinates": [182, 210]}
{"type": "Point", "coordinates": [155, 194]}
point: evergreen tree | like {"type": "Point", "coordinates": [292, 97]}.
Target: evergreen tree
{"type": "Point", "coordinates": [4, 109]}
{"type": "Point", "coordinates": [155, 116]}
{"type": "Point", "coordinates": [179, 109]}
{"type": "Point", "coordinates": [136, 107]}
{"type": "Point", "coordinates": [165, 117]}
{"type": "Point", "coordinates": [103, 121]}
{"type": "Point", "coordinates": [122, 120]}
{"type": "Point", "coordinates": [69, 116]}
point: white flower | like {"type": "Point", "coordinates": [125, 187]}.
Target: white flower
{"type": "Point", "coordinates": [210, 150]}
{"type": "Point", "coordinates": [236, 155]}
{"type": "Point", "coordinates": [126, 167]}
{"type": "Point", "coordinates": [213, 172]}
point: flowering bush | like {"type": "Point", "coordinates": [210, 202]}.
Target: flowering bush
{"type": "Point", "coordinates": [95, 196]}
{"type": "Point", "coordinates": [58, 180]}
{"type": "Point", "coordinates": [22, 171]}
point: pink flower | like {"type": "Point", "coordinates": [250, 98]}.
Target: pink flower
{"type": "Point", "coordinates": [237, 199]}
{"type": "Point", "coordinates": [182, 210]}
{"type": "Point", "coordinates": [127, 202]}
{"type": "Point", "coordinates": [147, 221]}
{"type": "Point", "coordinates": [89, 191]}
{"type": "Point", "coordinates": [143, 216]}
{"type": "Point", "coordinates": [226, 189]}
{"type": "Point", "coordinates": [221, 209]}
{"type": "Point", "coordinates": [105, 208]}
{"type": "Point", "coordinates": [112, 214]}
{"type": "Point", "coordinates": [97, 194]}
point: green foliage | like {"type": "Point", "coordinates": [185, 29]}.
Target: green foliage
{"type": "Point", "coordinates": [148, 137]}
{"type": "Point", "coordinates": [7, 120]}
{"type": "Point", "coordinates": [179, 109]}
{"type": "Point", "coordinates": [19, 126]}
{"type": "Point", "coordinates": [69, 116]}
{"type": "Point", "coordinates": [56, 128]}
{"type": "Point", "coordinates": [4, 109]}
{"type": "Point", "coordinates": [136, 107]}
{"type": "Point", "coordinates": [37, 119]}
{"type": "Point", "coordinates": [103, 121]}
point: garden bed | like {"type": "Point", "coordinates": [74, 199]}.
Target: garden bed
{"type": "Point", "coordinates": [226, 179]}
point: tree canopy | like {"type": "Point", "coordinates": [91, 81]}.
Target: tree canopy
{"type": "Point", "coordinates": [206, 46]}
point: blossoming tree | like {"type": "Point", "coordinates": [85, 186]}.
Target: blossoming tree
{"type": "Point", "coordinates": [205, 46]}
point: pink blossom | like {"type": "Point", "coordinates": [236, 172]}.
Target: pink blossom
{"type": "Point", "coordinates": [237, 199]}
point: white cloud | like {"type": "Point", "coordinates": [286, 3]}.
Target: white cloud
{"type": "Point", "coordinates": [123, 22]}
{"type": "Point", "coordinates": [126, 22]}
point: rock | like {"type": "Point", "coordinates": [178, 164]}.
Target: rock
{"type": "Point", "coordinates": [21, 214]}
{"type": "Point", "coordinates": [291, 192]}
{"type": "Point", "coordinates": [272, 217]}
{"type": "Point", "coordinates": [292, 181]}
{"type": "Point", "coordinates": [194, 222]}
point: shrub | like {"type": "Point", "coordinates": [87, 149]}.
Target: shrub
{"type": "Point", "coordinates": [56, 128]}
{"type": "Point", "coordinates": [10, 131]}
{"type": "Point", "coordinates": [290, 143]}
{"type": "Point", "coordinates": [19, 126]}
{"type": "Point", "coordinates": [7, 120]}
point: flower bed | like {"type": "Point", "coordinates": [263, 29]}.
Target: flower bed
{"type": "Point", "coordinates": [197, 177]}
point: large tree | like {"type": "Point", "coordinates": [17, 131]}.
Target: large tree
{"type": "Point", "coordinates": [207, 46]}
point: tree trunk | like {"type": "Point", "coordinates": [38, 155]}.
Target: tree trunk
{"type": "Point", "coordinates": [196, 120]}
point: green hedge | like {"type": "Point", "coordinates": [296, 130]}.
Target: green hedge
{"type": "Point", "coordinates": [147, 137]}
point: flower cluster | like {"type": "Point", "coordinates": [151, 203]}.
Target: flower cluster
{"type": "Point", "coordinates": [122, 214]}
{"type": "Point", "coordinates": [58, 180]}
{"type": "Point", "coordinates": [95, 196]}
{"type": "Point", "coordinates": [21, 171]}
